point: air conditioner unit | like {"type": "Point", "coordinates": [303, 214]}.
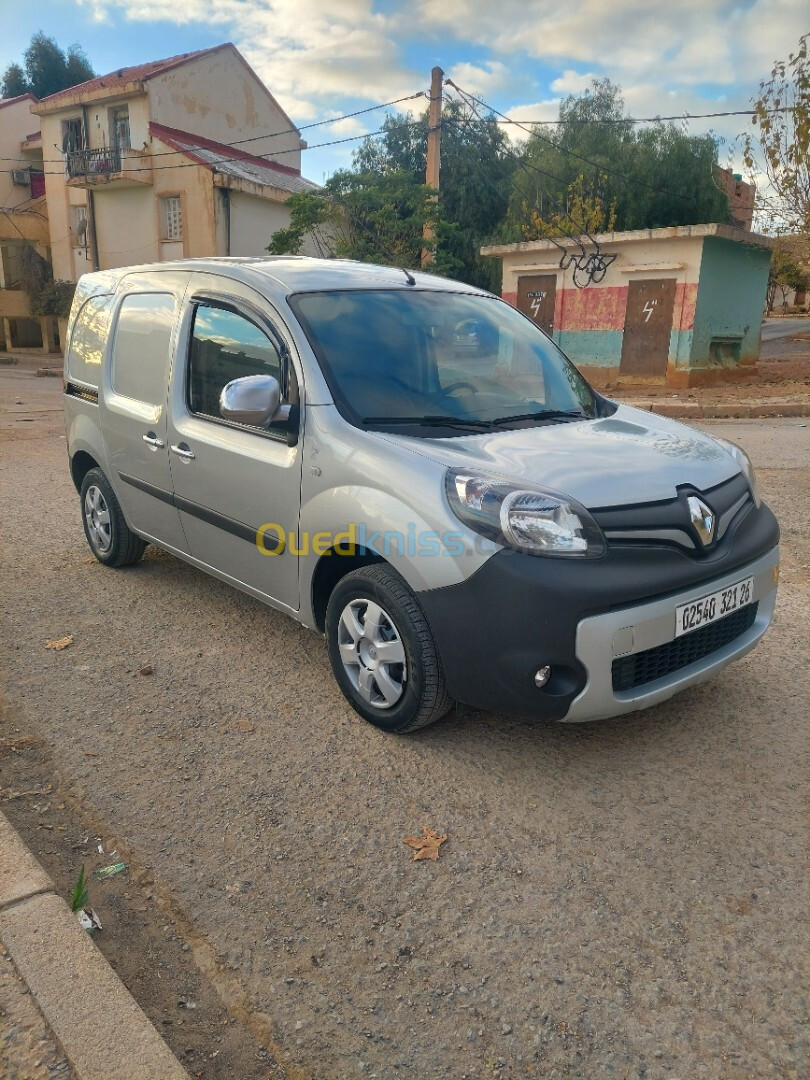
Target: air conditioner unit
{"type": "Point", "coordinates": [20, 176]}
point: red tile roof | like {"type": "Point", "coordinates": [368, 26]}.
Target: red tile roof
{"type": "Point", "coordinates": [231, 160]}
{"type": "Point", "coordinates": [124, 76]}
{"type": "Point", "coordinates": [15, 100]}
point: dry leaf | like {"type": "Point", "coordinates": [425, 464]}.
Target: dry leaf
{"type": "Point", "coordinates": [427, 845]}
{"type": "Point", "coordinates": [244, 726]}
{"type": "Point", "coordinates": [59, 643]}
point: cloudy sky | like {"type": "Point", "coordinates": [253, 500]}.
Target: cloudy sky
{"type": "Point", "coordinates": [325, 58]}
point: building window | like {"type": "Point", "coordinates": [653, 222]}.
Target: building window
{"type": "Point", "coordinates": [119, 127]}
{"type": "Point", "coordinates": [79, 226]}
{"type": "Point", "coordinates": [72, 135]}
{"type": "Point", "coordinates": [171, 218]}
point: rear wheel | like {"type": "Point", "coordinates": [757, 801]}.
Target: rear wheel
{"type": "Point", "coordinates": [382, 651]}
{"type": "Point", "coordinates": [110, 538]}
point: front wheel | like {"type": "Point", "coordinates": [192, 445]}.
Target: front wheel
{"type": "Point", "coordinates": [382, 651]}
{"type": "Point", "coordinates": [110, 538]}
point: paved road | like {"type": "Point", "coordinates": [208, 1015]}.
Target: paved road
{"type": "Point", "coordinates": [777, 328]}
{"type": "Point", "coordinates": [621, 900]}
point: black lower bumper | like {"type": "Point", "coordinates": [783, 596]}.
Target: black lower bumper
{"type": "Point", "coordinates": [519, 612]}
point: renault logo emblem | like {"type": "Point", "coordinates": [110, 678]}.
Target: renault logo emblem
{"type": "Point", "coordinates": [702, 518]}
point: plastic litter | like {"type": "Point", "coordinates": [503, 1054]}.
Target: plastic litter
{"type": "Point", "coordinates": [105, 872]}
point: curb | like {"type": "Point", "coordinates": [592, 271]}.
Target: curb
{"type": "Point", "coordinates": [693, 410]}
{"type": "Point", "coordinates": [103, 1032]}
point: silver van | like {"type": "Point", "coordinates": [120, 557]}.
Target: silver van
{"type": "Point", "coordinates": [409, 466]}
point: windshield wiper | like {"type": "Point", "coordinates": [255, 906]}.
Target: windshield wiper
{"type": "Point", "coordinates": [548, 414]}
{"type": "Point", "coordinates": [430, 421]}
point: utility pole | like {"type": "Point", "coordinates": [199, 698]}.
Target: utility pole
{"type": "Point", "coordinates": [433, 149]}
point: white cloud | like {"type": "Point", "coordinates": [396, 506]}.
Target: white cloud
{"type": "Point", "coordinates": [308, 52]}
{"type": "Point", "coordinates": [690, 42]}
{"type": "Point", "coordinates": [347, 127]}
{"type": "Point", "coordinates": [528, 114]}
{"type": "Point", "coordinates": [480, 80]}
{"type": "Point", "coordinates": [572, 82]}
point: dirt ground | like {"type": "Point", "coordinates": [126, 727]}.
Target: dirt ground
{"type": "Point", "coordinates": [783, 372]}
{"type": "Point", "coordinates": [623, 899]}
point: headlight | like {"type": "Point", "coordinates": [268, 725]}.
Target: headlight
{"type": "Point", "coordinates": [530, 519]}
{"type": "Point", "coordinates": [744, 461]}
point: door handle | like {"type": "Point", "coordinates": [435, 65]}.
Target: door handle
{"type": "Point", "coordinates": [184, 451]}
{"type": "Point", "coordinates": [152, 440]}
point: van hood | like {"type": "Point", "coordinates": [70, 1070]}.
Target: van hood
{"type": "Point", "coordinates": [629, 457]}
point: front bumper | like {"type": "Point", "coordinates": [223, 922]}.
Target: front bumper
{"type": "Point", "coordinates": [604, 638]}
{"type": "Point", "coordinates": [518, 613]}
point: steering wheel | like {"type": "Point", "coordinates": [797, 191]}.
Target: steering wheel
{"type": "Point", "coordinates": [461, 385]}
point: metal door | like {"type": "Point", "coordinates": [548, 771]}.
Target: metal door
{"type": "Point", "coordinates": [230, 480]}
{"type": "Point", "coordinates": [536, 297]}
{"type": "Point", "coordinates": [647, 327]}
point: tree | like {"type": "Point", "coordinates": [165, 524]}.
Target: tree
{"type": "Point", "coordinates": [46, 69]}
{"type": "Point", "coordinates": [786, 274]}
{"type": "Point", "coordinates": [369, 216]}
{"type": "Point", "coordinates": [585, 211]}
{"type": "Point", "coordinates": [649, 177]}
{"type": "Point", "coordinates": [780, 147]}
{"type": "Point", "coordinates": [476, 176]}
{"type": "Point", "coordinates": [376, 210]}
{"type": "Point", "coordinates": [14, 82]}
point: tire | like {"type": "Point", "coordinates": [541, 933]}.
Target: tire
{"type": "Point", "coordinates": [371, 610]}
{"type": "Point", "coordinates": [110, 538]}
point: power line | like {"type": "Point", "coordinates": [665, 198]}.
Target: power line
{"type": "Point", "coordinates": [220, 161]}
{"type": "Point", "coordinates": [636, 119]}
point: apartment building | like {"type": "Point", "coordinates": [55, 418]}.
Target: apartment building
{"type": "Point", "coordinates": [23, 225]}
{"type": "Point", "coordinates": [187, 156]}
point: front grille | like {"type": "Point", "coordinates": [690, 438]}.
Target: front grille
{"type": "Point", "coordinates": [645, 667]}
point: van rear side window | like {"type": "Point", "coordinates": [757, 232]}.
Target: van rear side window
{"type": "Point", "coordinates": [143, 337]}
{"type": "Point", "coordinates": [88, 340]}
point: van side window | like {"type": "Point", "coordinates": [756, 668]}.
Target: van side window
{"type": "Point", "coordinates": [88, 340]}
{"type": "Point", "coordinates": [225, 346]}
{"type": "Point", "coordinates": [143, 338]}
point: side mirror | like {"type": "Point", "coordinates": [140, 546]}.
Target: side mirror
{"type": "Point", "coordinates": [254, 399]}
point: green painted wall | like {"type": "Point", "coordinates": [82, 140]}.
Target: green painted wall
{"type": "Point", "coordinates": [731, 300]}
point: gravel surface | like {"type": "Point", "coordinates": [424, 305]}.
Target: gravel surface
{"type": "Point", "coordinates": [622, 899]}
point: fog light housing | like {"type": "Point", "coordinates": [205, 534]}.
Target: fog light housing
{"type": "Point", "coordinates": [541, 676]}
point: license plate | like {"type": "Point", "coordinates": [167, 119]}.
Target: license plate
{"type": "Point", "coordinates": [711, 608]}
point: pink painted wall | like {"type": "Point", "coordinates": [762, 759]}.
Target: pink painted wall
{"type": "Point", "coordinates": [604, 308]}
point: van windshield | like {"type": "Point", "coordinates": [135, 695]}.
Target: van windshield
{"type": "Point", "coordinates": [439, 360]}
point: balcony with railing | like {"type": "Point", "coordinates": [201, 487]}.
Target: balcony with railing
{"type": "Point", "coordinates": [108, 165]}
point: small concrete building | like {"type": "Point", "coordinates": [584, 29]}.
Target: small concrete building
{"type": "Point", "coordinates": [680, 306]}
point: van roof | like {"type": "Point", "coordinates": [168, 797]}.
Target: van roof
{"type": "Point", "coordinates": [297, 273]}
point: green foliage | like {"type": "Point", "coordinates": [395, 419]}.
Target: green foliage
{"type": "Point", "coordinates": [45, 296]}
{"type": "Point", "coordinates": [476, 176]}
{"type": "Point", "coordinates": [14, 82]}
{"type": "Point", "coordinates": [585, 212]}
{"type": "Point", "coordinates": [54, 298]}
{"type": "Point", "coordinates": [377, 210]}
{"type": "Point", "coordinates": [786, 274]}
{"type": "Point", "coordinates": [80, 896]}
{"type": "Point", "coordinates": [46, 69]}
{"type": "Point", "coordinates": [780, 147]}
{"type": "Point", "coordinates": [361, 215]}
{"type": "Point", "coordinates": [651, 177]}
